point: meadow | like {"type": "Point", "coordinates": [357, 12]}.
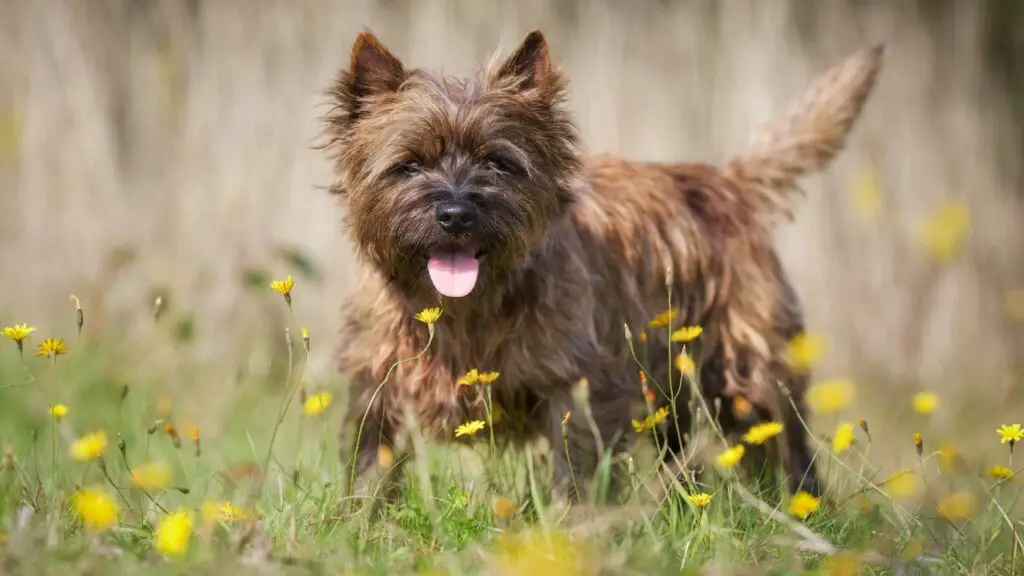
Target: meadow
{"type": "Point", "coordinates": [165, 409]}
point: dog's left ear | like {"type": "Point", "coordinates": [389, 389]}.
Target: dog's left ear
{"type": "Point", "coordinates": [529, 67]}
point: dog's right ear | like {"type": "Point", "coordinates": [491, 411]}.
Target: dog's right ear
{"type": "Point", "coordinates": [372, 69]}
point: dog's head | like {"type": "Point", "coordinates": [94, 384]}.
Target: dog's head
{"type": "Point", "coordinates": [449, 183]}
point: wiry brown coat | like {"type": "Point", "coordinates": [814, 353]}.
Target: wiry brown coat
{"type": "Point", "coordinates": [574, 249]}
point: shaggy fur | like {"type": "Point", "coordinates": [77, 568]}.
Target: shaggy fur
{"type": "Point", "coordinates": [572, 250]}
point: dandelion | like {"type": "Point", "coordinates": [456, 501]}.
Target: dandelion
{"type": "Point", "coordinates": [97, 510]}
{"type": "Point", "coordinates": [284, 288]}
{"type": "Point", "coordinates": [18, 333]}
{"type": "Point", "coordinates": [317, 403]}
{"type": "Point", "coordinates": [864, 426]}
{"type": "Point", "coordinates": [488, 377]}
{"type": "Point", "coordinates": [918, 444]}
{"type": "Point", "coordinates": [89, 447]}
{"type": "Point", "coordinates": [469, 378]}
{"type": "Point", "coordinates": [173, 533]}
{"type": "Point", "coordinates": [843, 438]}
{"type": "Point", "coordinates": [741, 406]}
{"type": "Point", "coordinates": [685, 365]}
{"type": "Point", "coordinates": [58, 411]}
{"type": "Point", "coordinates": [385, 457]}
{"type": "Point", "coordinates": [925, 403]}
{"type": "Point", "coordinates": [470, 428]}
{"type": "Point", "coordinates": [803, 504]}
{"type": "Point", "coordinates": [804, 351]}
{"type": "Point", "coordinates": [429, 315]}
{"type": "Point", "coordinates": [1010, 434]}
{"type": "Point", "coordinates": [730, 457]}
{"type": "Point", "coordinates": [1001, 473]}
{"type": "Point", "coordinates": [154, 476]}
{"type": "Point", "coordinates": [503, 508]}
{"type": "Point", "coordinates": [831, 396]}
{"type": "Point", "coordinates": [699, 499]}
{"type": "Point", "coordinates": [539, 552]}
{"type": "Point", "coordinates": [903, 484]}
{"type": "Point", "coordinates": [213, 511]}
{"type": "Point", "coordinates": [663, 319]}
{"type": "Point", "coordinates": [868, 194]}
{"type": "Point", "coordinates": [942, 233]}
{"type": "Point", "coordinates": [760, 433]}
{"type": "Point", "coordinates": [172, 432]}
{"type": "Point", "coordinates": [686, 334]}
{"type": "Point", "coordinates": [51, 348]}
{"type": "Point", "coordinates": [947, 455]}
{"type": "Point", "coordinates": [957, 505]}
{"type": "Point", "coordinates": [194, 434]}
{"type": "Point", "coordinates": [651, 420]}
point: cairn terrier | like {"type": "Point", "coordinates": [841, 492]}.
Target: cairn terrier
{"type": "Point", "coordinates": [474, 195]}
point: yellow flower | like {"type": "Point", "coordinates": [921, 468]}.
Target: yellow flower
{"type": "Point", "coordinates": [97, 510]}
{"type": "Point", "coordinates": [1001, 473]}
{"type": "Point", "coordinates": [284, 287]}
{"type": "Point", "coordinates": [503, 508]}
{"type": "Point", "coordinates": [843, 438]}
{"type": "Point", "coordinates": [947, 455]}
{"type": "Point", "coordinates": [651, 420]}
{"type": "Point", "coordinates": [89, 447]}
{"type": "Point", "coordinates": [843, 564]}
{"type": "Point", "coordinates": [214, 511]}
{"type": "Point", "coordinates": [730, 457]}
{"type": "Point", "coordinates": [154, 476]}
{"type": "Point", "coordinates": [804, 351]}
{"type": "Point", "coordinates": [1010, 434]}
{"type": "Point", "coordinates": [868, 194]}
{"type": "Point", "coordinates": [803, 504]}
{"type": "Point", "coordinates": [469, 378]}
{"type": "Point", "coordinates": [699, 499]}
{"type": "Point", "coordinates": [943, 232]}
{"type": "Point", "coordinates": [385, 457]}
{"type": "Point", "coordinates": [741, 406]}
{"type": "Point", "coordinates": [957, 505]}
{"type": "Point", "coordinates": [759, 433]}
{"type": "Point", "coordinates": [173, 533]}
{"type": "Point", "coordinates": [58, 411]}
{"type": "Point", "coordinates": [831, 396]}
{"type": "Point", "coordinates": [685, 333]}
{"type": "Point", "coordinates": [52, 347]}
{"type": "Point", "coordinates": [903, 484]}
{"type": "Point", "coordinates": [18, 332]}
{"type": "Point", "coordinates": [684, 363]}
{"type": "Point", "coordinates": [317, 403]}
{"type": "Point", "coordinates": [925, 402]}
{"type": "Point", "coordinates": [540, 552]}
{"type": "Point", "coordinates": [663, 319]}
{"type": "Point", "coordinates": [429, 315]}
{"type": "Point", "coordinates": [470, 428]}
{"type": "Point", "coordinates": [487, 377]}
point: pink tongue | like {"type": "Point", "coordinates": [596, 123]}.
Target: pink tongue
{"type": "Point", "coordinates": [453, 274]}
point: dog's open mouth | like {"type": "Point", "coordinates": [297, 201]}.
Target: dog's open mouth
{"type": "Point", "coordinates": [454, 274]}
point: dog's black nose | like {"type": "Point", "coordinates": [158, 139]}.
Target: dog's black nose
{"type": "Point", "coordinates": [456, 216]}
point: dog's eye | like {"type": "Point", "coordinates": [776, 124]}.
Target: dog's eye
{"type": "Point", "coordinates": [501, 163]}
{"type": "Point", "coordinates": [408, 168]}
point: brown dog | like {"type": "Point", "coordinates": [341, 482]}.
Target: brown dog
{"type": "Point", "coordinates": [474, 195]}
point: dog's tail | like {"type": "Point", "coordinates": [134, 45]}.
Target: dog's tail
{"type": "Point", "coordinates": [810, 133]}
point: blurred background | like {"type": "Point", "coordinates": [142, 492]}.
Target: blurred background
{"type": "Point", "coordinates": [165, 148]}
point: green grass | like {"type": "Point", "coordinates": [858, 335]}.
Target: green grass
{"type": "Point", "coordinates": [462, 511]}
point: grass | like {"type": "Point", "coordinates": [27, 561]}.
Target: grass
{"type": "Point", "coordinates": [261, 487]}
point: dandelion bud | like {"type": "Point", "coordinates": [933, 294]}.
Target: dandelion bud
{"type": "Point", "coordinates": [124, 392]}
{"type": "Point", "coordinates": [194, 433]}
{"type": "Point", "coordinates": [183, 490]}
{"type": "Point", "coordinates": [79, 315]}
{"type": "Point", "coordinates": [171, 431]}
{"type": "Point", "coordinates": [565, 423]}
{"type": "Point", "coordinates": [629, 333]}
{"type": "Point", "coordinates": [864, 426]}
{"type": "Point", "coordinates": [669, 273]}
{"type": "Point", "coordinates": [305, 339]}
{"type": "Point", "coordinates": [288, 337]}
{"type": "Point", "coordinates": [918, 444]}
{"type": "Point", "coordinates": [158, 306]}
{"type": "Point", "coordinates": [643, 337]}
{"type": "Point", "coordinates": [122, 447]}
{"type": "Point", "coordinates": [153, 428]}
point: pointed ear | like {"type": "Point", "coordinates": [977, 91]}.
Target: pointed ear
{"type": "Point", "coordinates": [529, 67]}
{"type": "Point", "coordinates": [372, 69]}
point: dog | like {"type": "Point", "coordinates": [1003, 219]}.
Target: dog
{"type": "Point", "coordinates": [475, 195]}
